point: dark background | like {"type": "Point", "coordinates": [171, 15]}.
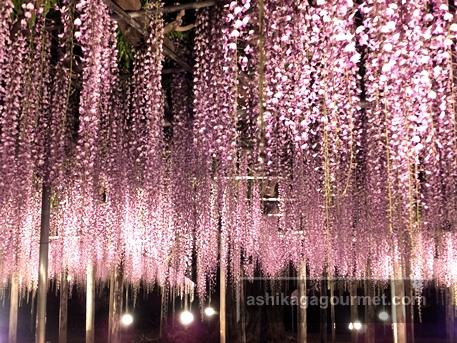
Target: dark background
{"type": "Point", "coordinates": [262, 323]}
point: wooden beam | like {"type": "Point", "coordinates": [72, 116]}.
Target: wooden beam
{"type": "Point", "coordinates": [167, 46]}
{"type": "Point", "coordinates": [129, 5]}
{"type": "Point", "coordinates": [169, 51]}
{"type": "Point", "coordinates": [173, 71]}
{"type": "Point", "coordinates": [171, 9]}
{"type": "Point", "coordinates": [191, 6]}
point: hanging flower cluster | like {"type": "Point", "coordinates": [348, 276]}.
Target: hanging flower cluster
{"type": "Point", "coordinates": [181, 181]}
{"type": "Point", "coordinates": [24, 98]}
{"type": "Point", "coordinates": [355, 115]}
{"type": "Point", "coordinates": [216, 83]}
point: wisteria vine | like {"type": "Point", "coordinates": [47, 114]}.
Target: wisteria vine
{"type": "Point", "coordinates": [315, 132]}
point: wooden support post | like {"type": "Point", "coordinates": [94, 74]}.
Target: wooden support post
{"type": "Point", "coordinates": [40, 335]}
{"type": "Point", "coordinates": [354, 309]}
{"type": "Point", "coordinates": [302, 304]}
{"type": "Point", "coordinates": [450, 314]}
{"type": "Point", "coordinates": [63, 307]}
{"type": "Point", "coordinates": [111, 305]}
{"type": "Point", "coordinates": [409, 292]}
{"type": "Point", "coordinates": [370, 312]}
{"type": "Point", "coordinates": [90, 303]}
{"type": "Point", "coordinates": [398, 307]}
{"type": "Point", "coordinates": [162, 304]}
{"type": "Point", "coordinates": [222, 309]}
{"type": "Point", "coordinates": [409, 311]}
{"type": "Point", "coordinates": [33, 310]}
{"type": "Point", "coordinates": [242, 309]}
{"type": "Point", "coordinates": [454, 307]}
{"type": "Point", "coordinates": [115, 305]}
{"type": "Point", "coordinates": [14, 306]}
{"type": "Point", "coordinates": [324, 312]}
{"type": "Point", "coordinates": [173, 306]}
{"type": "Point", "coordinates": [332, 309]}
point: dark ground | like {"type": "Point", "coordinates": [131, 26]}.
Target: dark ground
{"type": "Point", "coordinates": [262, 325]}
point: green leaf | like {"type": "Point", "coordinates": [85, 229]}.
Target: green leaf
{"type": "Point", "coordinates": [49, 5]}
{"type": "Point", "coordinates": [125, 51]}
{"type": "Point", "coordinates": [17, 7]}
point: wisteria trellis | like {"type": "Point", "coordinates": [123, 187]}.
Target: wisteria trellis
{"type": "Point", "coordinates": [321, 131]}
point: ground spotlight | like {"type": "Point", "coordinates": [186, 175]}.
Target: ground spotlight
{"type": "Point", "coordinates": [186, 318]}
{"type": "Point", "coordinates": [383, 315]}
{"type": "Point", "coordinates": [126, 319]}
{"type": "Point", "coordinates": [209, 311]}
{"type": "Point", "coordinates": [357, 326]}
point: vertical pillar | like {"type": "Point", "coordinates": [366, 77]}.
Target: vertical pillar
{"type": "Point", "coordinates": [354, 309]}
{"type": "Point", "coordinates": [242, 309]}
{"type": "Point", "coordinates": [162, 304]}
{"type": "Point", "coordinates": [90, 303]}
{"type": "Point", "coordinates": [116, 290]}
{"type": "Point", "coordinates": [324, 312]}
{"type": "Point", "coordinates": [332, 309]}
{"type": "Point", "coordinates": [398, 307]}
{"type": "Point", "coordinates": [302, 305]}
{"type": "Point", "coordinates": [111, 304]}
{"type": "Point", "coordinates": [450, 314]}
{"type": "Point", "coordinates": [222, 313]}
{"type": "Point", "coordinates": [63, 307]}
{"type": "Point", "coordinates": [40, 335]}
{"type": "Point", "coordinates": [14, 305]}
{"type": "Point", "coordinates": [370, 312]}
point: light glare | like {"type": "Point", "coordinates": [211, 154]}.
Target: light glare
{"type": "Point", "coordinates": [126, 319]}
{"type": "Point", "coordinates": [357, 326]}
{"type": "Point", "coordinates": [186, 318]}
{"type": "Point", "coordinates": [383, 315]}
{"type": "Point", "coordinates": [209, 311]}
